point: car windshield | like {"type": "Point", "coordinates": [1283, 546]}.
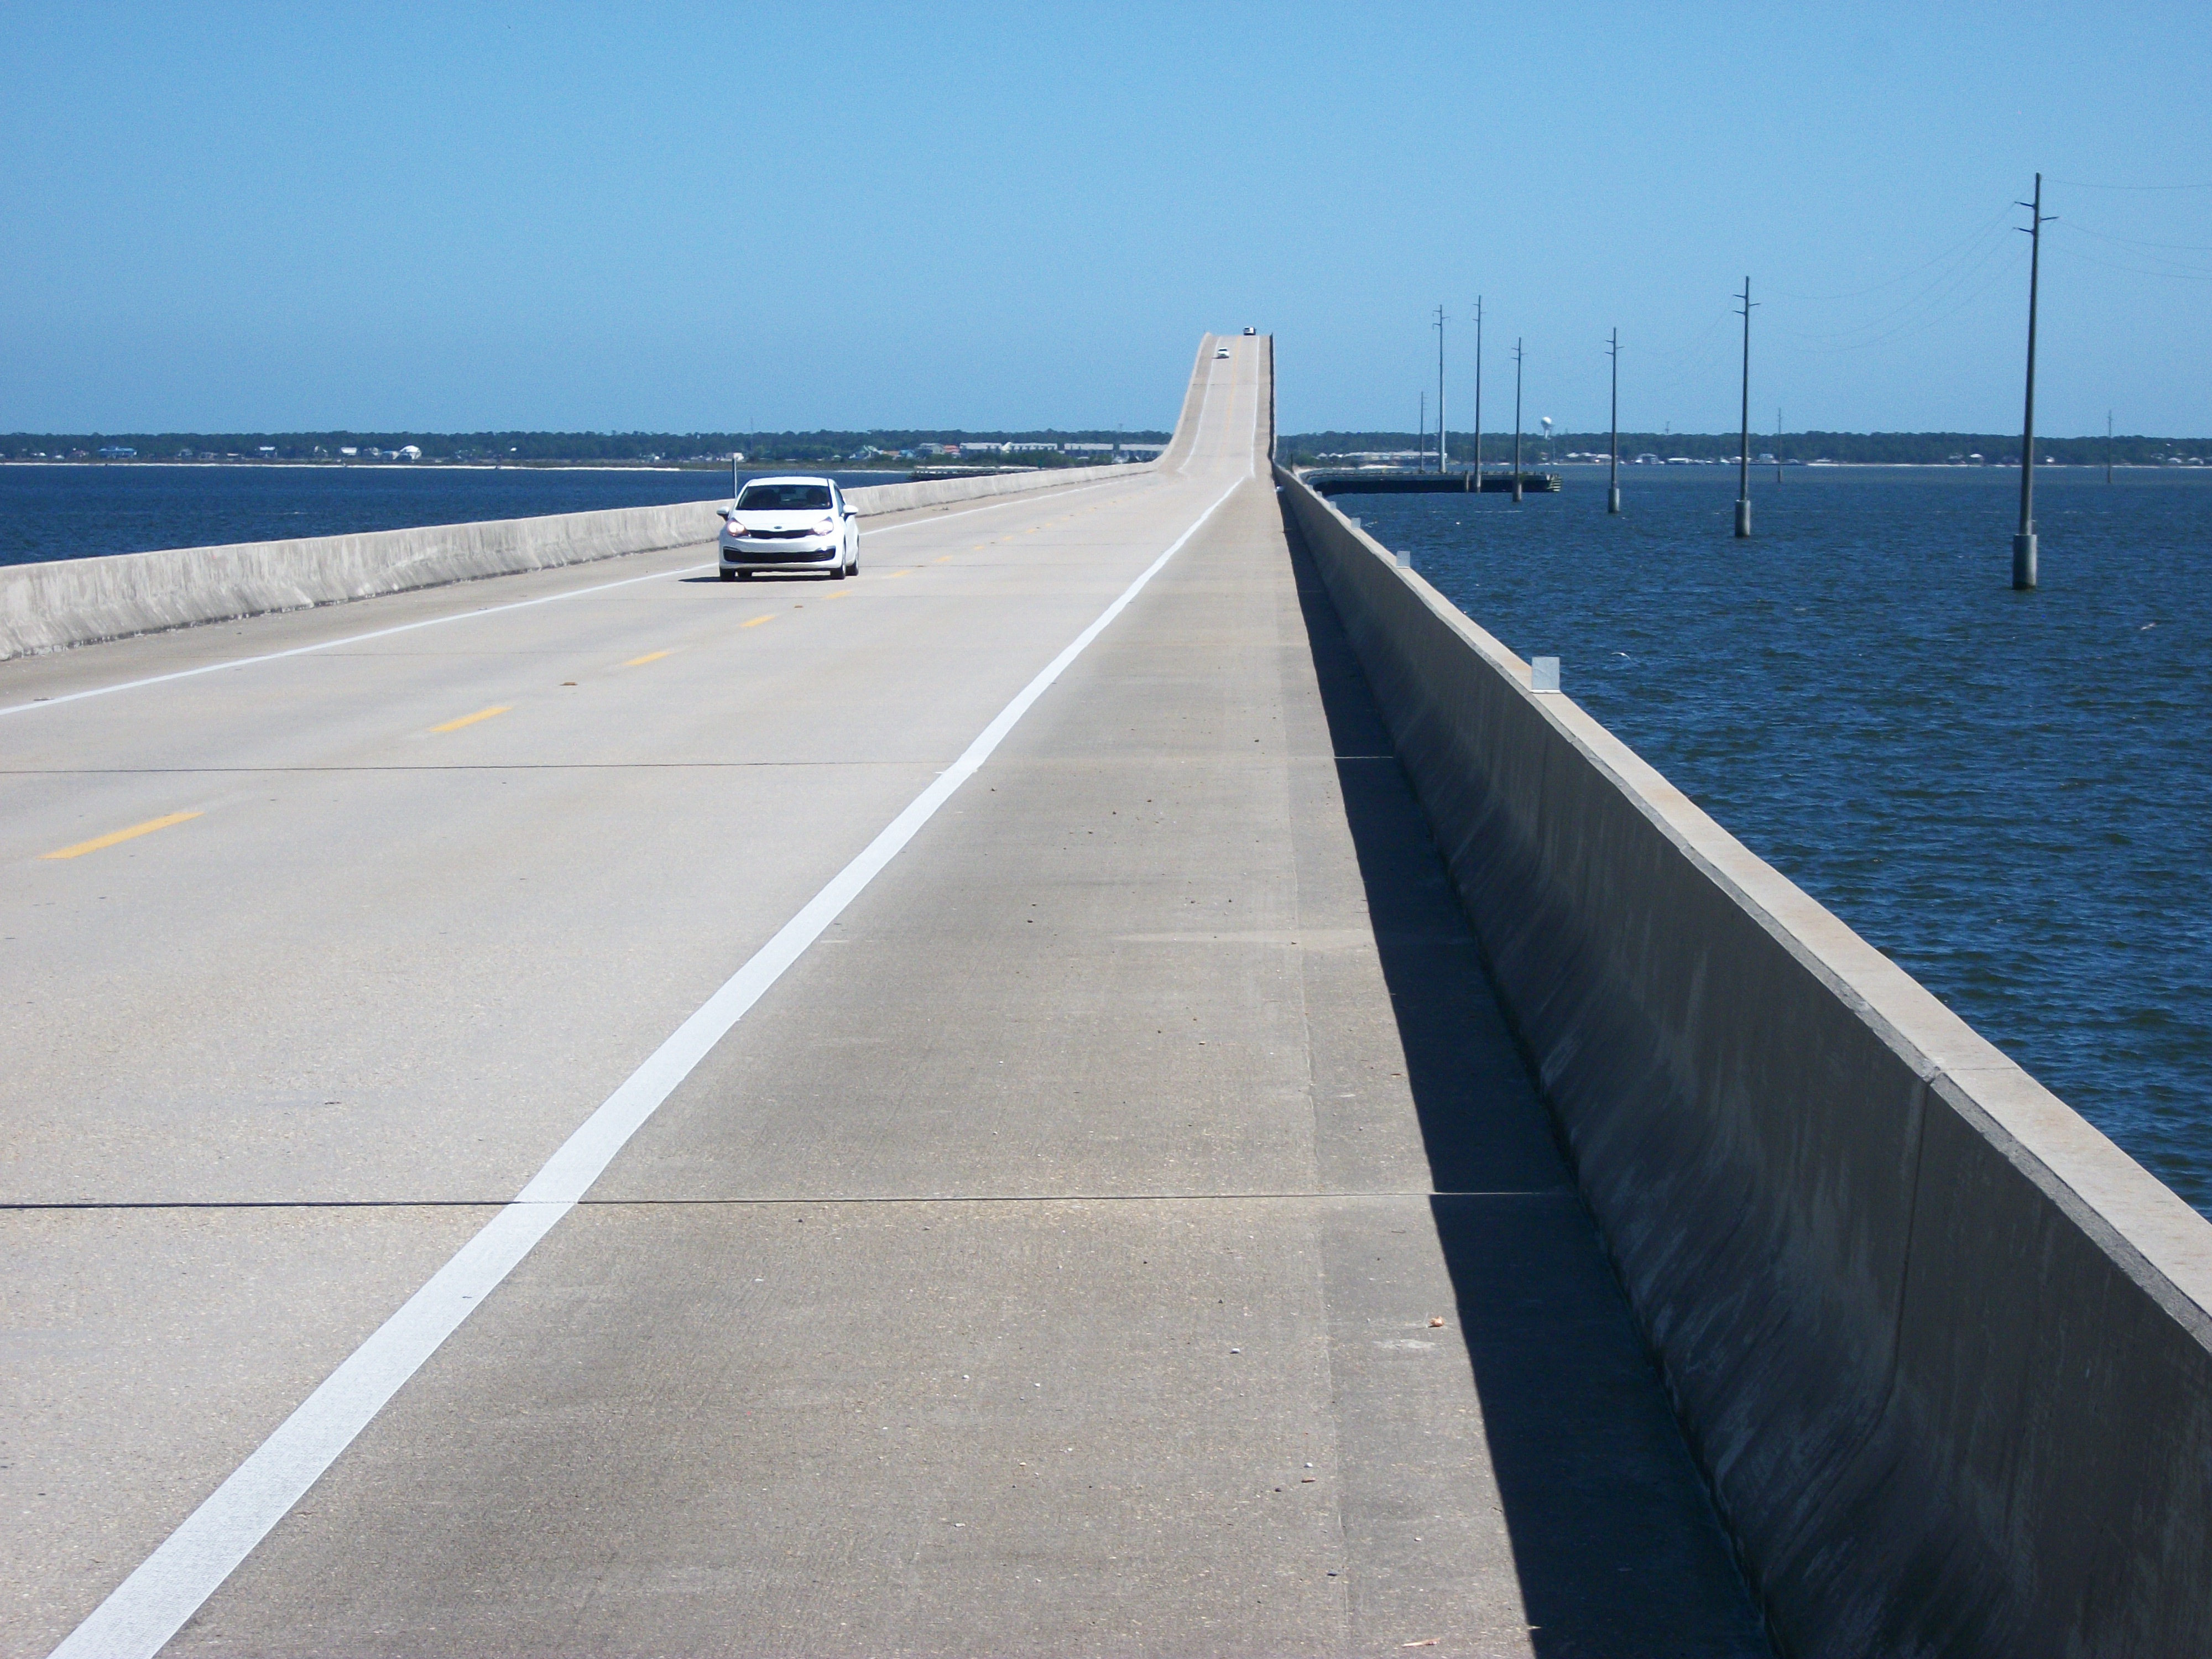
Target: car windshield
{"type": "Point", "coordinates": [784, 498]}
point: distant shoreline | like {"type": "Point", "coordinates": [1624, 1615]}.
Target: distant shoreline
{"type": "Point", "coordinates": [447, 466]}
{"type": "Point", "coordinates": [242, 464]}
{"type": "Point", "coordinates": [1757, 466]}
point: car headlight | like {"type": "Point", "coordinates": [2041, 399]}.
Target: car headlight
{"type": "Point", "coordinates": [827, 527]}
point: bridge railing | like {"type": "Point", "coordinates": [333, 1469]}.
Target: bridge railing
{"type": "Point", "coordinates": [60, 602]}
{"type": "Point", "coordinates": [1942, 1350]}
{"type": "Point", "coordinates": [52, 606]}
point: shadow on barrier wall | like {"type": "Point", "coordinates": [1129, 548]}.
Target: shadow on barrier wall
{"type": "Point", "coordinates": [1943, 1352]}
{"type": "Point", "coordinates": [1615, 1544]}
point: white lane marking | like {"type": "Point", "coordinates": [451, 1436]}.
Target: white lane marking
{"type": "Point", "coordinates": [169, 1586]}
{"type": "Point", "coordinates": [481, 611]}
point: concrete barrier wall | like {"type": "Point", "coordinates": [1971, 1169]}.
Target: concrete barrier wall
{"type": "Point", "coordinates": [66, 601]}
{"type": "Point", "coordinates": [873, 500]}
{"type": "Point", "coordinates": [1942, 1350]}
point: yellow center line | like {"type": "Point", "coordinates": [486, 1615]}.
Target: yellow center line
{"type": "Point", "coordinates": [470, 720]}
{"type": "Point", "coordinates": [115, 835]}
{"type": "Point", "coordinates": [895, 574]}
{"type": "Point", "coordinates": [757, 621]}
{"type": "Point", "coordinates": [945, 558]}
{"type": "Point", "coordinates": [843, 593]}
{"type": "Point", "coordinates": [650, 656]}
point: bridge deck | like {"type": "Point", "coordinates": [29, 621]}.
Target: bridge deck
{"type": "Point", "coordinates": [1050, 1262]}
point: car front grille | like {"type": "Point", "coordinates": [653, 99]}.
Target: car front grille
{"type": "Point", "coordinates": [777, 534]}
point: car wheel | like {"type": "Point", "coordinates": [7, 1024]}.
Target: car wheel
{"type": "Point", "coordinates": [744, 575]}
{"type": "Point", "coordinates": [729, 575]}
{"type": "Point", "coordinates": [838, 575]}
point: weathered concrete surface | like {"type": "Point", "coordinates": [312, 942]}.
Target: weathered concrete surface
{"type": "Point", "coordinates": [69, 602]}
{"type": "Point", "coordinates": [1107, 1164]}
{"type": "Point", "coordinates": [1944, 1350]}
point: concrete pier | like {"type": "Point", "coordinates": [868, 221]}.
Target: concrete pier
{"type": "Point", "coordinates": [1363, 481]}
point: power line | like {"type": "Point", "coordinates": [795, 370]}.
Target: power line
{"type": "Point", "coordinates": [1911, 326]}
{"type": "Point", "coordinates": [2189, 275]}
{"type": "Point", "coordinates": [1965, 270]}
{"type": "Point", "coordinates": [1710, 346]}
{"type": "Point", "coordinates": [2083, 183]}
{"type": "Point", "coordinates": [2131, 241]}
{"type": "Point", "coordinates": [1696, 340]}
{"type": "Point", "coordinates": [1995, 222]}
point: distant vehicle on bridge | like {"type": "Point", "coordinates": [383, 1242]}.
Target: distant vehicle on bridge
{"type": "Point", "coordinates": [1222, 352]}
{"type": "Point", "coordinates": [796, 524]}
{"type": "Point", "coordinates": [1248, 329]}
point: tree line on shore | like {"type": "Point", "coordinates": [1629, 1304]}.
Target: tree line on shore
{"type": "Point", "coordinates": [1304, 448]}
{"type": "Point", "coordinates": [532, 449]}
{"type": "Point", "coordinates": [1863, 449]}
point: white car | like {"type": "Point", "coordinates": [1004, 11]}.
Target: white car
{"type": "Point", "coordinates": [796, 524]}
{"type": "Point", "coordinates": [1223, 352]}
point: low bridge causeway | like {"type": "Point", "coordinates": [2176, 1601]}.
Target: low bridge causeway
{"type": "Point", "coordinates": [992, 1107]}
{"type": "Point", "coordinates": [1374, 480]}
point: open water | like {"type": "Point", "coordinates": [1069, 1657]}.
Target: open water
{"type": "Point", "coordinates": [69, 512]}
{"type": "Point", "coordinates": [2010, 794]}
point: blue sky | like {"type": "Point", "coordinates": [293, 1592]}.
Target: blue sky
{"type": "Point", "coordinates": [707, 218]}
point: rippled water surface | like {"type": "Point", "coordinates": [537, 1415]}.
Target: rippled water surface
{"type": "Point", "coordinates": [75, 512]}
{"type": "Point", "coordinates": [2009, 794]}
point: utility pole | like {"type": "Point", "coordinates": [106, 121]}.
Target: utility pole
{"type": "Point", "coordinates": [1421, 451]}
{"type": "Point", "coordinates": [1743, 460]}
{"type": "Point", "coordinates": [1478, 391]}
{"type": "Point", "coordinates": [1443, 450]}
{"type": "Point", "coordinates": [1613, 478]}
{"type": "Point", "coordinates": [2023, 542]}
{"type": "Point", "coordinates": [1517, 420]}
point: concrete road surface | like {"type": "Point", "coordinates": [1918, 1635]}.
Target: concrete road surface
{"type": "Point", "coordinates": [1124, 1225]}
